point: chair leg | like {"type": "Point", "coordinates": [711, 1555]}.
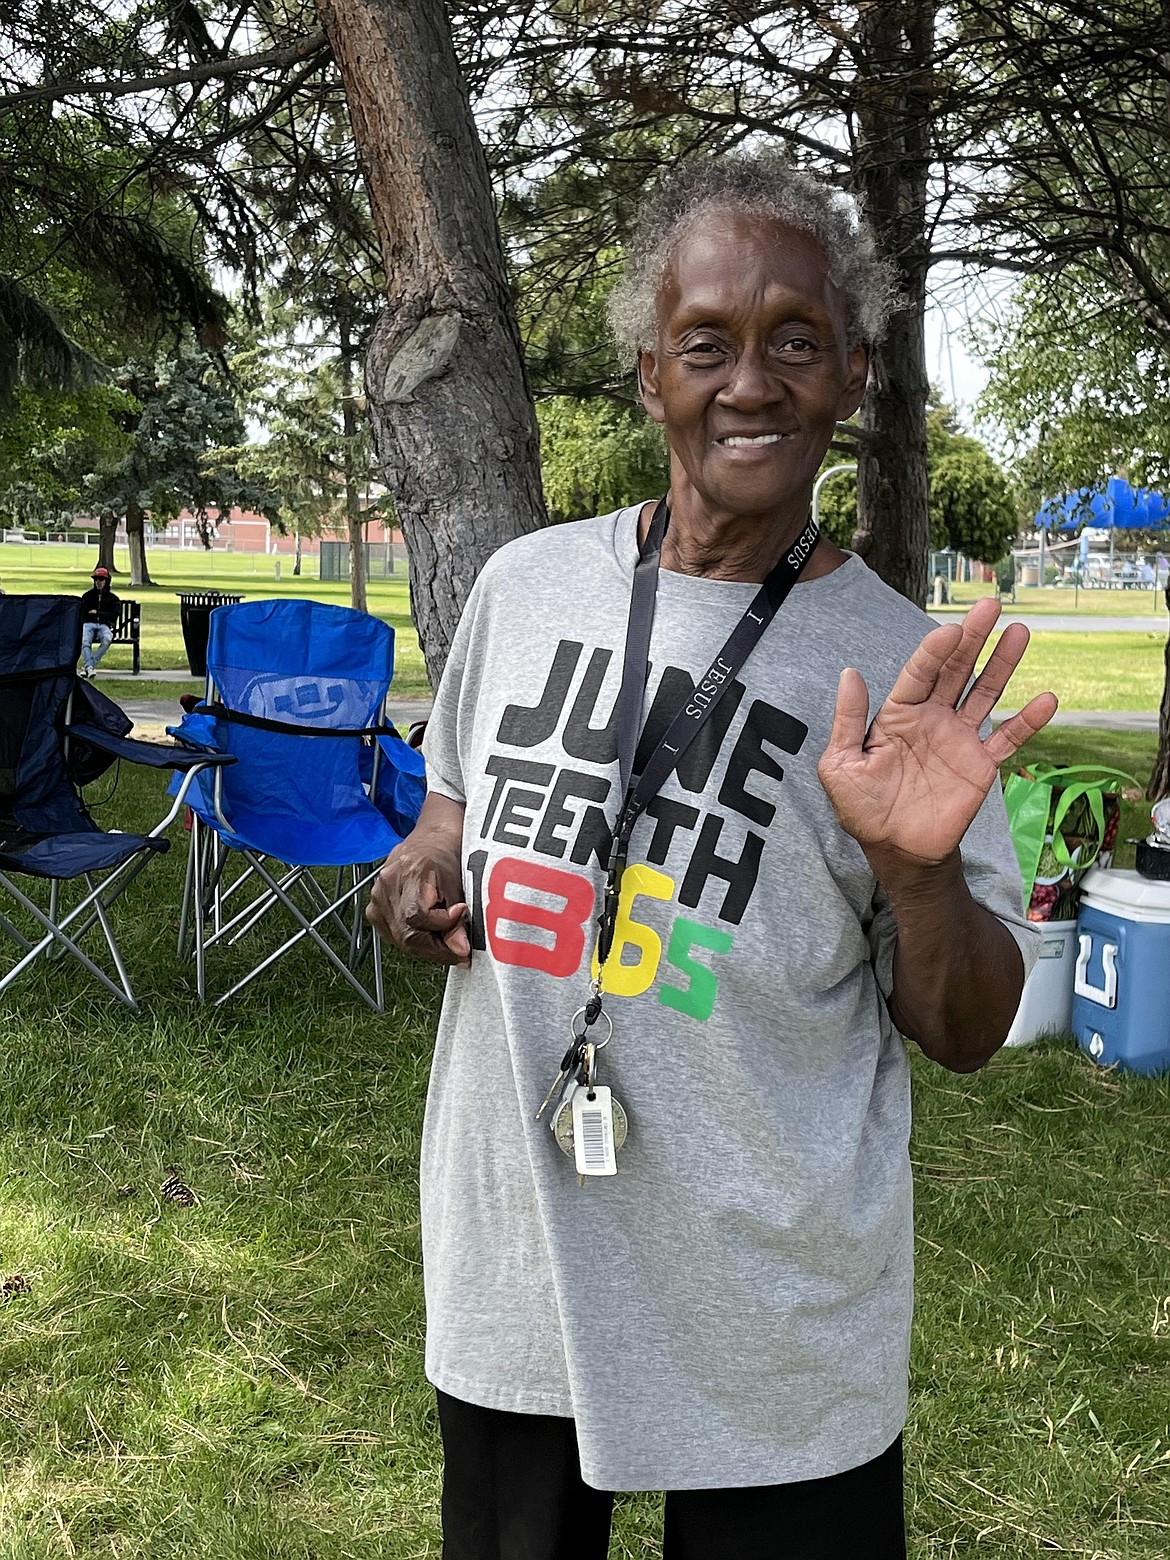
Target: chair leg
{"type": "Point", "coordinates": [254, 912]}
{"type": "Point", "coordinates": [198, 850]}
{"type": "Point", "coordinates": [54, 912]}
{"type": "Point", "coordinates": [17, 936]}
{"type": "Point", "coordinates": [355, 924]}
{"type": "Point", "coordinates": [58, 937]}
{"type": "Point", "coordinates": [314, 891]}
{"type": "Point", "coordinates": [188, 890]}
{"type": "Point", "coordinates": [307, 929]}
{"type": "Point", "coordinates": [115, 952]}
{"type": "Point", "coordinates": [379, 991]}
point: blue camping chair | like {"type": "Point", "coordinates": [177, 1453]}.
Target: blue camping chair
{"type": "Point", "coordinates": [57, 734]}
{"type": "Point", "coordinates": [321, 790]}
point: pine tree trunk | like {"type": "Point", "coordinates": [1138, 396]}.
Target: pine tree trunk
{"type": "Point", "coordinates": [357, 553]}
{"type": "Point", "coordinates": [1159, 785]}
{"type": "Point", "coordinates": [453, 421]}
{"type": "Point", "coordinates": [353, 512]}
{"type": "Point", "coordinates": [108, 529]}
{"type": "Point", "coordinates": [136, 542]}
{"type": "Point", "coordinates": [892, 164]}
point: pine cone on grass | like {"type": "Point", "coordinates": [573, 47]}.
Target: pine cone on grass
{"type": "Point", "coordinates": [175, 1189]}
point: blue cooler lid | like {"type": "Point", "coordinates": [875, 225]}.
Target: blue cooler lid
{"type": "Point", "coordinates": [1121, 891]}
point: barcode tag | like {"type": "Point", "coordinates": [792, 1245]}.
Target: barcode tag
{"type": "Point", "coordinates": [593, 1145]}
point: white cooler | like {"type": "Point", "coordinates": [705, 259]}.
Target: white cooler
{"type": "Point", "coordinates": [1047, 1000]}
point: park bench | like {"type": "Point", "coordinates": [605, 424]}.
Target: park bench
{"type": "Point", "coordinates": [128, 627]}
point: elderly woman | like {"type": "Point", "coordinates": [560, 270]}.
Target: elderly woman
{"type": "Point", "coordinates": [681, 876]}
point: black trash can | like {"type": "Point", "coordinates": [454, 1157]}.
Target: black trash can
{"type": "Point", "coordinates": [195, 609]}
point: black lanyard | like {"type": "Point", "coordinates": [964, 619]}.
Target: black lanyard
{"type": "Point", "coordinates": [685, 726]}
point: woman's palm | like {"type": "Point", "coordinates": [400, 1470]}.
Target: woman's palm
{"type": "Point", "coordinates": [913, 780]}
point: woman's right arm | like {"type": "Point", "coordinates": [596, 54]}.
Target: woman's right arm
{"type": "Point", "coordinates": [417, 901]}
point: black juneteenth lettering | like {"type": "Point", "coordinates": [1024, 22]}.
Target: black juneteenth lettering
{"type": "Point", "coordinates": [520, 770]}
{"type": "Point", "coordinates": [557, 816]}
{"type": "Point", "coordinates": [475, 865]}
{"type": "Point", "coordinates": [526, 726]}
{"type": "Point", "coordinates": [518, 811]}
{"type": "Point", "coordinates": [740, 876]}
{"type": "Point", "coordinates": [764, 723]}
{"type": "Point", "coordinates": [591, 744]}
{"type": "Point", "coordinates": [540, 820]}
{"type": "Point", "coordinates": [515, 806]}
{"type": "Point", "coordinates": [594, 838]}
{"type": "Point", "coordinates": [668, 816]}
{"type": "Point", "coordinates": [521, 814]}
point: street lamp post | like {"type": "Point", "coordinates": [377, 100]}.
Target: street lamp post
{"type": "Point", "coordinates": [820, 482]}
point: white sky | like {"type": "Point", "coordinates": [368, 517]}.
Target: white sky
{"type": "Point", "coordinates": [948, 364]}
{"type": "Point", "coordinates": [955, 299]}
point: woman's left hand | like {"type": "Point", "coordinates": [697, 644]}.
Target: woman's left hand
{"type": "Point", "coordinates": [908, 785]}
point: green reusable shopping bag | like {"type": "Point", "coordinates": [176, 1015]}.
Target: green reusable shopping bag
{"type": "Point", "coordinates": [1038, 801]}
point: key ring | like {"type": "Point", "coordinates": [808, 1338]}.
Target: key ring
{"type": "Point", "coordinates": [579, 1036]}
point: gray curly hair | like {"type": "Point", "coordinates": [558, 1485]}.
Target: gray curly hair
{"type": "Point", "coordinates": [764, 184]}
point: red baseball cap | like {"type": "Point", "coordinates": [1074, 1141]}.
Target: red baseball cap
{"type": "Point", "coordinates": [100, 573]}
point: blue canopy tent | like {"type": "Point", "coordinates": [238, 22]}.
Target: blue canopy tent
{"type": "Point", "coordinates": [1119, 507]}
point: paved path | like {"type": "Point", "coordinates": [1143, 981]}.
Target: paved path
{"type": "Point", "coordinates": [1103, 720]}
{"type": "Point", "coordinates": [112, 674]}
{"type": "Point", "coordinates": [1070, 624]}
{"type": "Point", "coordinates": [166, 712]}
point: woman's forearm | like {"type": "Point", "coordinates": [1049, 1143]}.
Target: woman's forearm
{"type": "Point", "coordinates": [958, 971]}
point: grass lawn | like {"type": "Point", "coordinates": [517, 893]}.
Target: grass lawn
{"type": "Point", "coordinates": [1133, 751]}
{"type": "Point", "coordinates": [242, 1378]}
{"type": "Point", "coordinates": [146, 687]}
{"type": "Point", "coordinates": [1063, 601]}
{"type": "Point", "coordinates": [1099, 671]}
{"type": "Point", "coordinates": [65, 570]}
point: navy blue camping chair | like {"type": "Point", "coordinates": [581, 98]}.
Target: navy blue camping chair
{"type": "Point", "coordinates": [321, 790]}
{"type": "Point", "coordinates": [58, 734]}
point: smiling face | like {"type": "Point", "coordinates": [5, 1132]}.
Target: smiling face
{"type": "Point", "coordinates": [752, 369]}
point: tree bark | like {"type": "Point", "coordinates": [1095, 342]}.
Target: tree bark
{"type": "Point", "coordinates": [136, 542]}
{"type": "Point", "coordinates": [453, 422]}
{"type": "Point", "coordinates": [1159, 785]}
{"type": "Point", "coordinates": [297, 562]}
{"type": "Point", "coordinates": [891, 168]}
{"type": "Point", "coordinates": [107, 530]}
{"type": "Point", "coordinates": [353, 508]}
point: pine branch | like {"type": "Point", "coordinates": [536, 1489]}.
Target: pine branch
{"type": "Point", "coordinates": [212, 70]}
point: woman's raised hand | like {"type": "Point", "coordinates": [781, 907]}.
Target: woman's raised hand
{"type": "Point", "coordinates": [909, 783]}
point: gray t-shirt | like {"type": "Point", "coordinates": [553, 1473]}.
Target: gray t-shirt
{"type": "Point", "coordinates": [733, 1308]}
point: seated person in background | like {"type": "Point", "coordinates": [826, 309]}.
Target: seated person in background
{"type": "Point", "coordinates": [99, 612]}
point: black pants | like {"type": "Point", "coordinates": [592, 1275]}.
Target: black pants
{"type": "Point", "coordinates": [512, 1490]}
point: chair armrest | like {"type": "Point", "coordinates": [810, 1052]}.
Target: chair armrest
{"type": "Point", "coordinates": [153, 754]}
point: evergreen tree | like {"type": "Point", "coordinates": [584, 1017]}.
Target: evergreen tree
{"type": "Point", "coordinates": [316, 461]}
{"type": "Point", "coordinates": [178, 418]}
{"type": "Point", "coordinates": [972, 509]}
